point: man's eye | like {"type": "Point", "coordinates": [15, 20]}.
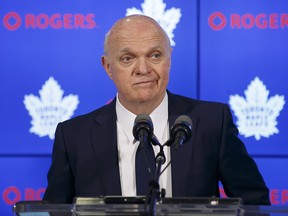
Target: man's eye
{"type": "Point", "coordinates": [126, 58]}
{"type": "Point", "coordinates": [156, 56]}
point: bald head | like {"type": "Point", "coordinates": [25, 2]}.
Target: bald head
{"type": "Point", "coordinates": [132, 26]}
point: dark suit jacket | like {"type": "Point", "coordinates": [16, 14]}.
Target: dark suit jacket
{"type": "Point", "coordinates": [85, 156]}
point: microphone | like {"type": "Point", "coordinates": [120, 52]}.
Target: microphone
{"type": "Point", "coordinates": [181, 131]}
{"type": "Point", "coordinates": [143, 128]}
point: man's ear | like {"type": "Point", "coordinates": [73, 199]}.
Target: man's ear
{"type": "Point", "coordinates": [106, 65]}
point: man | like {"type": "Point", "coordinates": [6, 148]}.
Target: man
{"type": "Point", "coordinates": [94, 154]}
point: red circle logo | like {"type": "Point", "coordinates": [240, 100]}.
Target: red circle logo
{"type": "Point", "coordinates": [11, 195]}
{"type": "Point", "coordinates": [12, 21]}
{"type": "Point", "coordinates": [217, 21]}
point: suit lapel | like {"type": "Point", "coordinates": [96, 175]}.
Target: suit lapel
{"type": "Point", "coordinates": [104, 141]}
{"type": "Point", "coordinates": [181, 159]}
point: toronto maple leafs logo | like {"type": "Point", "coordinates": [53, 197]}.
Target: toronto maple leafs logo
{"type": "Point", "coordinates": [257, 113]}
{"type": "Point", "coordinates": [50, 109]}
{"type": "Point", "coordinates": [156, 9]}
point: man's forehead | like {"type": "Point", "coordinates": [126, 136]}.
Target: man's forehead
{"type": "Point", "coordinates": [147, 48]}
{"type": "Point", "coordinates": [146, 38]}
{"type": "Point", "coordinates": [136, 33]}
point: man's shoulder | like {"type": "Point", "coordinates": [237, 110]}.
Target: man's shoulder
{"type": "Point", "coordinates": [191, 103]}
{"type": "Point", "coordinates": [106, 111]}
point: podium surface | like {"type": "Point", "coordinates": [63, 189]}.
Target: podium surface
{"type": "Point", "coordinates": [137, 206]}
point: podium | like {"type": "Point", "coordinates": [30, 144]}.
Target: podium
{"type": "Point", "coordinates": [137, 206]}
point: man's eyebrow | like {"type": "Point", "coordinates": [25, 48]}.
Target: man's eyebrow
{"type": "Point", "coordinates": [125, 49]}
{"type": "Point", "coordinates": [157, 47]}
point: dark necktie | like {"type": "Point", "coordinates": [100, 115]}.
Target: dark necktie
{"type": "Point", "coordinates": [145, 168]}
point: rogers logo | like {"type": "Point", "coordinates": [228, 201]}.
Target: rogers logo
{"type": "Point", "coordinates": [13, 21]}
{"type": "Point", "coordinates": [218, 21]}
{"type": "Point", "coordinates": [13, 194]}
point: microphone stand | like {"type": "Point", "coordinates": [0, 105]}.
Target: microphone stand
{"type": "Point", "coordinates": [154, 183]}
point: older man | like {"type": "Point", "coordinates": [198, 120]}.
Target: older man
{"type": "Point", "coordinates": [94, 154]}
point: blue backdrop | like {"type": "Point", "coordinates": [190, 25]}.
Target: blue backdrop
{"type": "Point", "coordinates": [50, 70]}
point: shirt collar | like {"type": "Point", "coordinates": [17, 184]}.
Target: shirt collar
{"type": "Point", "coordinates": [159, 118]}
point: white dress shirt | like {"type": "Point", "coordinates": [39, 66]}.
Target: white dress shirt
{"type": "Point", "coordinates": [127, 146]}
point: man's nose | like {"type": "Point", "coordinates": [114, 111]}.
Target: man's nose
{"type": "Point", "coordinates": [142, 66]}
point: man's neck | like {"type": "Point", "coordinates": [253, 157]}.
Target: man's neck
{"type": "Point", "coordinates": [146, 107]}
{"type": "Point", "coordinates": [142, 108]}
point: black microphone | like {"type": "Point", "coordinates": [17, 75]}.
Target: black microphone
{"type": "Point", "coordinates": [181, 131]}
{"type": "Point", "coordinates": [143, 128]}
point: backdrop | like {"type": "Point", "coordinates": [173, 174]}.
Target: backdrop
{"type": "Point", "coordinates": [50, 70]}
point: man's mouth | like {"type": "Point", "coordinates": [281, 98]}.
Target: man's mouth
{"type": "Point", "coordinates": [146, 82]}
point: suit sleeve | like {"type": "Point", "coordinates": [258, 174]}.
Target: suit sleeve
{"type": "Point", "coordinates": [60, 187]}
{"type": "Point", "coordinates": [239, 173]}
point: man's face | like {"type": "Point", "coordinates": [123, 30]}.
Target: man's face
{"type": "Point", "coordinates": [139, 62]}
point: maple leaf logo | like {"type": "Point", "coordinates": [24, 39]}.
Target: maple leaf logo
{"type": "Point", "coordinates": [257, 114]}
{"type": "Point", "coordinates": [156, 9]}
{"type": "Point", "coordinates": [50, 109]}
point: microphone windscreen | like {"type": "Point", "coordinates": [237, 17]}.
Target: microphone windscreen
{"type": "Point", "coordinates": [183, 119]}
{"type": "Point", "coordinates": [143, 118]}
{"type": "Point", "coordinates": [182, 127]}
{"type": "Point", "coordinates": [142, 122]}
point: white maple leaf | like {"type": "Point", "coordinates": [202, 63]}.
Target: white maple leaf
{"type": "Point", "coordinates": [50, 109]}
{"type": "Point", "coordinates": [257, 113]}
{"type": "Point", "coordinates": [156, 9]}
